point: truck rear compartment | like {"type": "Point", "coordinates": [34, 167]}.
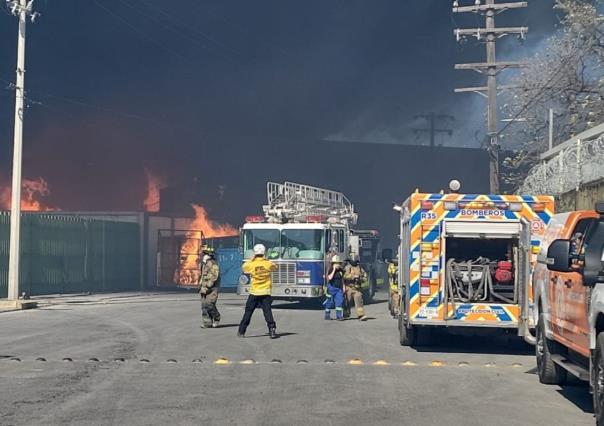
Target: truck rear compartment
{"type": "Point", "coordinates": [481, 270]}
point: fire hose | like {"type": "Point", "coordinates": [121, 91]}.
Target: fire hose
{"type": "Point", "coordinates": [471, 282]}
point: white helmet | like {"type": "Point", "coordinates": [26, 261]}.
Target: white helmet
{"type": "Point", "coordinates": [336, 259]}
{"type": "Point", "coordinates": [259, 250]}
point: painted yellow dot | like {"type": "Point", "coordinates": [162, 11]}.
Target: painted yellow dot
{"type": "Point", "coordinates": [355, 361]}
{"type": "Point", "coordinates": [463, 364]}
{"type": "Point", "coordinates": [437, 364]}
{"type": "Point", "coordinates": [409, 363]}
{"type": "Point", "coordinates": [381, 362]}
{"type": "Point", "coordinates": [248, 362]}
{"type": "Point", "coordinates": [489, 364]}
{"type": "Point", "coordinates": [222, 361]}
{"type": "Point", "coordinates": [516, 365]}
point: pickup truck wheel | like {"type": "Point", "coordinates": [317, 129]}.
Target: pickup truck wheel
{"type": "Point", "coordinates": [598, 380]}
{"type": "Point", "coordinates": [550, 373]}
{"type": "Point", "coordinates": [408, 334]}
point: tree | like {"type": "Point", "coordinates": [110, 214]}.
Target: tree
{"type": "Point", "coordinates": [567, 76]}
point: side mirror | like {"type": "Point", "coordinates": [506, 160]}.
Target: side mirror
{"type": "Point", "coordinates": [387, 254]}
{"type": "Point", "coordinates": [558, 256]}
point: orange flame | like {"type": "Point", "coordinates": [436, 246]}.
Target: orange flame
{"type": "Point", "coordinates": [188, 271]}
{"type": "Point", "coordinates": [154, 185]}
{"type": "Point", "coordinates": [32, 191]}
{"type": "Point", "coordinates": [210, 228]}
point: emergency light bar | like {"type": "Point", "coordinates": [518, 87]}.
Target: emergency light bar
{"type": "Point", "coordinates": [538, 207]}
{"type": "Point", "coordinates": [254, 219]}
{"type": "Point", "coordinates": [317, 218]}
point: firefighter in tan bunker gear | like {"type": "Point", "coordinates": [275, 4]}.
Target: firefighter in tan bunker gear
{"type": "Point", "coordinates": [209, 284]}
{"type": "Point", "coordinates": [354, 276]}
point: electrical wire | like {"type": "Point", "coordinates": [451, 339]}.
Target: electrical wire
{"type": "Point", "coordinates": [78, 102]}
{"type": "Point", "coordinates": [138, 31]}
{"type": "Point", "coordinates": [175, 28]}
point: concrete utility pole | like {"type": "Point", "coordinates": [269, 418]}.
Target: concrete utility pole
{"type": "Point", "coordinates": [432, 130]}
{"type": "Point", "coordinates": [22, 9]}
{"type": "Point", "coordinates": [490, 68]}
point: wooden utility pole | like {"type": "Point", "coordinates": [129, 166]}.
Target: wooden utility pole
{"type": "Point", "coordinates": [432, 130]}
{"type": "Point", "coordinates": [491, 68]}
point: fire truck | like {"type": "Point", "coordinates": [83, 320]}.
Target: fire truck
{"type": "Point", "coordinates": [302, 228]}
{"type": "Point", "coordinates": [465, 261]}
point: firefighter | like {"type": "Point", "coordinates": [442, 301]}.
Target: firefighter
{"type": "Point", "coordinates": [259, 269]}
{"type": "Point", "coordinates": [354, 276]}
{"type": "Point", "coordinates": [335, 289]}
{"type": "Point", "coordinates": [209, 284]}
{"type": "Point", "coordinates": [393, 280]}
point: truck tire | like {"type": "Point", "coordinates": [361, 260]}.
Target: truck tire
{"type": "Point", "coordinates": [598, 380]}
{"type": "Point", "coordinates": [407, 334]}
{"type": "Point", "coordinates": [550, 373]}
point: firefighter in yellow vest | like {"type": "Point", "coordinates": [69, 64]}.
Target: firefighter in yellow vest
{"type": "Point", "coordinates": [259, 269]}
{"type": "Point", "coordinates": [209, 284]}
{"type": "Point", "coordinates": [395, 300]}
{"type": "Point", "coordinates": [354, 276]}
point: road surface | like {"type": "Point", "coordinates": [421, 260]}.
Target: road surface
{"type": "Point", "coordinates": [141, 359]}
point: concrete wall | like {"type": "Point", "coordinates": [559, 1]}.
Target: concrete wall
{"type": "Point", "coordinates": [584, 199]}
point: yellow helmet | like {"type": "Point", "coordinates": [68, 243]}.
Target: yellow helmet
{"type": "Point", "coordinates": [208, 250]}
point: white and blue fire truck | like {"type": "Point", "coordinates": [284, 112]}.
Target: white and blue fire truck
{"type": "Point", "coordinates": [302, 228]}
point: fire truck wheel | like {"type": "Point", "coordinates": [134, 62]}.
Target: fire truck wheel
{"type": "Point", "coordinates": [598, 380]}
{"type": "Point", "coordinates": [550, 373]}
{"type": "Point", "coordinates": [408, 334]}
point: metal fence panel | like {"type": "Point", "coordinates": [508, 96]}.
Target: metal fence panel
{"type": "Point", "coordinates": [63, 254]}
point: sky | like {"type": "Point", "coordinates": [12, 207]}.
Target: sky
{"type": "Point", "coordinates": [115, 87]}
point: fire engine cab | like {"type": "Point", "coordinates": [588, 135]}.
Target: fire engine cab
{"type": "Point", "coordinates": [302, 228]}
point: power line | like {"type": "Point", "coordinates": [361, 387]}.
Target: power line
{"type": "Point", "coordinates": [138, 31]}
{"type": "Point", "coordinates": [174, 28]}
{"type": "Point", "coordinates": [73, 101]}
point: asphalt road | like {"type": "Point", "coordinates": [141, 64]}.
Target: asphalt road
{"type": "Point", "coordinates": [141, 359]}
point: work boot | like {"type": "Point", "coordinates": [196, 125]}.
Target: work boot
{"type": "Point", "coordinates": [215, 323]}
{"type": "Point", "coordinates": [327, 316]}
{"type": "Point", "coordinates": [240, 334]}
{"type": "Point", "coordinates": [203, 325]}
{"type": "Point", "coordinates": [363, 318]}
{"type": "Point", "coordinates": [272, 333]}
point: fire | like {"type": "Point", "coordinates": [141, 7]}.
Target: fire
{"type": "Point", "coordinates": [188, 270]}
{"type": "Point", "coordinates": [154, 185]}
{"type": "Point", "coordinates": [33, 190]}
{"type": "Point", "coordinates": [210, 229]}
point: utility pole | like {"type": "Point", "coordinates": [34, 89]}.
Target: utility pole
{"type": "Point", "coordinates": [491, 68]}
{"type": "Point", "coordinates": [432, 130]}
{"type": "Point", "coordinates": [22, 9]}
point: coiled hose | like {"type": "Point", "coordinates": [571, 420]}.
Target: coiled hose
{"type": "Point", "coordinates": [458, 290]}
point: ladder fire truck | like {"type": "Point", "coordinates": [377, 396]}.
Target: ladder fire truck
{"type": "Point", "coordinates": [303, 227]}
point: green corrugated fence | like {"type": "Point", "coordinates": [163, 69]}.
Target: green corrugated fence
{"type": "Point", "coordinates": [65, 254]}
